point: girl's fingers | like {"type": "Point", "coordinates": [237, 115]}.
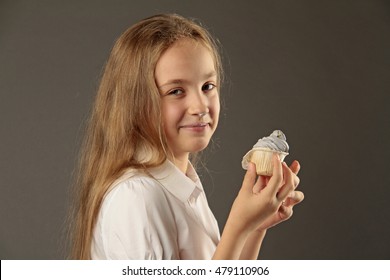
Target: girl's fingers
{"type": "Point", "coordinates": [250, 178]}
{"type": "Point", "coordinates": [289, 184]}
{"type": "Point", "coordinates": [281, 174]}
{"type": "Point", "coordinates": [261, 183]}
{"type": "Point", "coordinates": [295, 167]}
{"type": "Point", "coordinates": [258, 186]}
{"type": "Point", "coordinates": [296, 180]}
{"type": "Point", "coordinates": [294, 198]}
{"type": "Point", "coordinates": [285, 212]}
{"type": "Point", "coordinates": [277, 177]}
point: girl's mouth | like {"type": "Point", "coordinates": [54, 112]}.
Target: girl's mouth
{"type": "Point", "coordinates": [197, 127]}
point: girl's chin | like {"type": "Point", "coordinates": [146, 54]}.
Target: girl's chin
{"type": "Point", "coordinates": [199, 146]}
{"type": "Point", "coordinates": [195, 148]}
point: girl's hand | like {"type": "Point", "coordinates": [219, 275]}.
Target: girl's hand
{"type": "Point", "coordinates": [285, 210]}
{"type": "Point", "coordinates": [257, 204]}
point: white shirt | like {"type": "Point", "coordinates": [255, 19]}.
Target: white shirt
{"type": "Point", "coordinates": [165, 216]}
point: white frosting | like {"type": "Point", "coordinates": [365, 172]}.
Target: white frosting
{"type": "Point", "coordinates": [276, 142]}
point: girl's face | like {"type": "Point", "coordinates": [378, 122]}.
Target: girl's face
{"type": "Point", "coordinates": [187, 79]}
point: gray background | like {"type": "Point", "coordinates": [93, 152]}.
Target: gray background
{"type": "Point", "coordinates": [318, 70]}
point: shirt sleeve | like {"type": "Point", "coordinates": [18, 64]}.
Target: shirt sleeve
{"type": "Point", "coordinates": [136, 222]}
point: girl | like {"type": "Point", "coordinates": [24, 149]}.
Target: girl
{"type": "Point", "coordinates": [139, 196]}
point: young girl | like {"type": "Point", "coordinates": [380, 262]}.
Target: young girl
{"type": "Point", "coordinates": [139, 195]}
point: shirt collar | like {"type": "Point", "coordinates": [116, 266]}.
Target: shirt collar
{"type": "Point", "coordinates": [180, 185]}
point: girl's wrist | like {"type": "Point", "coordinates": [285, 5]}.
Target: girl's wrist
{"type": "Point", "coordinates": [237, 228]}
{"type": "Point", "coordinates": [232, 242]}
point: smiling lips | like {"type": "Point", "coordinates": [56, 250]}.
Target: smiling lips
{"type": "Point", "coordinates": [195, 126]}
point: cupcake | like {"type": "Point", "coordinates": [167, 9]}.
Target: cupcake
{"type": "Point", "coordinates": [262, 151]}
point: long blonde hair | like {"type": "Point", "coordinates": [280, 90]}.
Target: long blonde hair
{"type": "Point", "coordinates": [125, 128]}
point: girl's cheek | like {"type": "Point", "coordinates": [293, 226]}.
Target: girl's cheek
{"type": "Point", "coordinates": [172, 113]}
{"type": "Point", "coordinates": [215, 105]}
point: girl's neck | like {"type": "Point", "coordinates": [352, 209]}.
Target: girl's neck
{"type": "Point", "coordinates": [181, 162]}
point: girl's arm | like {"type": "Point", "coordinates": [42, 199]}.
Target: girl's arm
{"type": "Point", "coordinates": [252, 245]}
{"type": "Point", "coordinates": [231, 244]}
{"type": "Point", "coordinates": [255, 209]}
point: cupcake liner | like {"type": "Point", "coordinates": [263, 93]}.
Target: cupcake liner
{"type": "Point", "coordinates": [262, 158]}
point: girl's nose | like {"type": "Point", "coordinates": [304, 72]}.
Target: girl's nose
{"type": "Point", "coordinates": [198, 103]}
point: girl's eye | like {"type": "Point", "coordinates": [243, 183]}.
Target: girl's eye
{"type": "Point", "coordinates": [176, 92]}
{"type": "Point", "coordinates": [207, 87]}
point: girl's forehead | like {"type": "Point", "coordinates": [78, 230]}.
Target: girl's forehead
{"type": "Point", "coordinates": [190, 44]}
{"type": "Point", "coordinates": [185, 59]}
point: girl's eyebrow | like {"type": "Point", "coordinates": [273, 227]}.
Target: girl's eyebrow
{"type": "Point", "coordinates": [212, 74]}
{"type": "Point", "coordinates": [182, 81]}
{"type": "Point", "coordinates": [173, 82]}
